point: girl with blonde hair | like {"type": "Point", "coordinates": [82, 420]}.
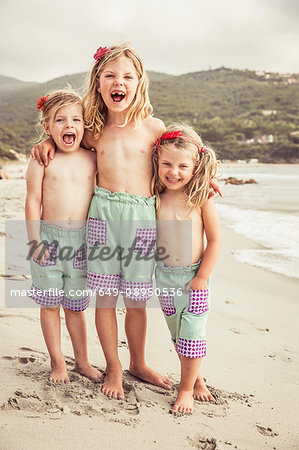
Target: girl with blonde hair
{"type": "Point", "coordinates": [183, 168]}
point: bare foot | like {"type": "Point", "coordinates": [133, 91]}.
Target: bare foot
{"type": "Point", "coordinates": [113, 386]}
{"type": "Point", "coordinates": [59, 372]}
{"type": "Point", "coordinates": [184, 402]}
{"type": "Point", "coordinates": [201, 392]}
{"type": "Point", "coordinates": [145, 373]}
{"type": "Point", "coordinates": [88, 371]}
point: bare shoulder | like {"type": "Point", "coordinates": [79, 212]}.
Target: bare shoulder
{"type": "Point", "coordinates": [154, 125]}
{"type": "Point", "coordinates": [34, 169]}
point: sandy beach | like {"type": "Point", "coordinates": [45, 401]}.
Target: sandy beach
{"type": "Point", "coordinates": [252, 369]}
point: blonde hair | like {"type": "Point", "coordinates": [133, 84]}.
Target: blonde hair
{"type": "Point", "coordinates": [198, 188]}
{"type": "Point", "coordinates": [95, 109]}
{"type": "Point", "coordinates": [56, 100]}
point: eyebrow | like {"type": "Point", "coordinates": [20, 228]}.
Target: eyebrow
{"type": "Point", "coordinates": [64, 115]}
{"type": "Point", "coordinates": [113, 71]}
{"type": "Point", "coordinates": [166, 160]}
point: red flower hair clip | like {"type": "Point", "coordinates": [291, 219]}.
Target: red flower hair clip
{"type": "Point", "coordinates": [101, 51]}
{"type": "Point", "coordinates": [175, 135]}
{"type": "Point", "coordinates": [40, 104]}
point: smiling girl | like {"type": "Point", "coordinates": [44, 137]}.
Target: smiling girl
{"type": "Point", "coordinates": [183, 168]}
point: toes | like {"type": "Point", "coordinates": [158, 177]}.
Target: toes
{"type": "Point", "coordinates": [104, 390]}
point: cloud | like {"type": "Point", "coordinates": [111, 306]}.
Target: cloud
{"type": "Point", "coordinates": [50, 38]}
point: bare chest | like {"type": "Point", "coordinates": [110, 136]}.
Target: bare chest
{"type": "Point", "coordinates": [119, 146]}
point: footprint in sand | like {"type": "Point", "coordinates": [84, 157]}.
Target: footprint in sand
{"type": "Point", "coordinates": [20, 359]}
{"type": "Point", "coordinates": [81, 396]}
{"type": "Point", "coordinates": [266, 431]}
{"type": "Point", "coordinates": [234, 330]}
{"type": "Point", "coordinates": [203, 443]}
{"type": "Point", "coordinates": [281, 357]}
{"type": "Point", "coordinates": [132, 399]}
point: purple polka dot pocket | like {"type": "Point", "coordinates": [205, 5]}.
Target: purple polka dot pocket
{"type": "Point", "coordinates": [198, 301]}
{"type": "Point", "coordinates": [51, 261]}
{"type": "Point", "coordinates": [167, 303]}
{"type": "Point", "coordinates": [97, 231]}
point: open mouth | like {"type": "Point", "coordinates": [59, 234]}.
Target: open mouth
{"type": "Point", "coordinates": [69, 138]}
{"type": "Point", "coordinates": [117, 96]}
{"type": "Point", "coordinates": [173, 180]}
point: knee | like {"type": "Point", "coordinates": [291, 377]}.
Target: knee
{"type": "Point", "coordinates": [53, 310]}
{"type": "Point", "coordinates": [137, 311]}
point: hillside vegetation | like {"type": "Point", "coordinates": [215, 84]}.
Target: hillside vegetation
{"type": "Point", "coordinates": [243, 114]}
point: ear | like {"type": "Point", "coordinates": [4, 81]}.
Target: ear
{"type": "Point", "coordinates": [47, 128]}
{"type": "Point", "coordinates": [98, 86]}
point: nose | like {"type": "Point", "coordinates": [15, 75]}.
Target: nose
{"type": "Point", "coordinates": [69, 123]}
{"type": "Point", "coordinates": [174, 170]}
{"type": "Point", "coordinates": [118, 80]}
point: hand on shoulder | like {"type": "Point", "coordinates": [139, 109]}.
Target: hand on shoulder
{"type": "Point", "coordinates": [43, 151]}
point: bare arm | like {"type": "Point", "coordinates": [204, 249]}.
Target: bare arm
{"type": "Point", "coordinates": [211, 253]}
{"type": "Point", "coordinates": [34, 181]}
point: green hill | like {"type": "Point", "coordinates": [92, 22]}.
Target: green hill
{"type": "Point", "coordinates": [10, 83]}
{"type": "Point", "coordinates": [232, 109]}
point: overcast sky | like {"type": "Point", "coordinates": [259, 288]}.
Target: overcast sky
{"type": "Point", "coordinates": [44, 39]}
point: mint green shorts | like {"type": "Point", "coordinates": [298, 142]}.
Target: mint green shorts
{"type": "Point", "coordinates": [121, 242]}
{"type": "Point", "coordinates": [62, 278]}
{"type": "Point", "coordinates": [186, 314]}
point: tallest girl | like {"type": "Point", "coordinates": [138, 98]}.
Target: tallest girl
{"type": "Point", "coordinates": [122, 131]}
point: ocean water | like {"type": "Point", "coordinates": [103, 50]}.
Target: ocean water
{"type": "Point", "coordinates": [267, 213]}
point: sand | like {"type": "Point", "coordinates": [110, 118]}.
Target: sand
{"type": "Point", "coordinates": [252, 369]}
